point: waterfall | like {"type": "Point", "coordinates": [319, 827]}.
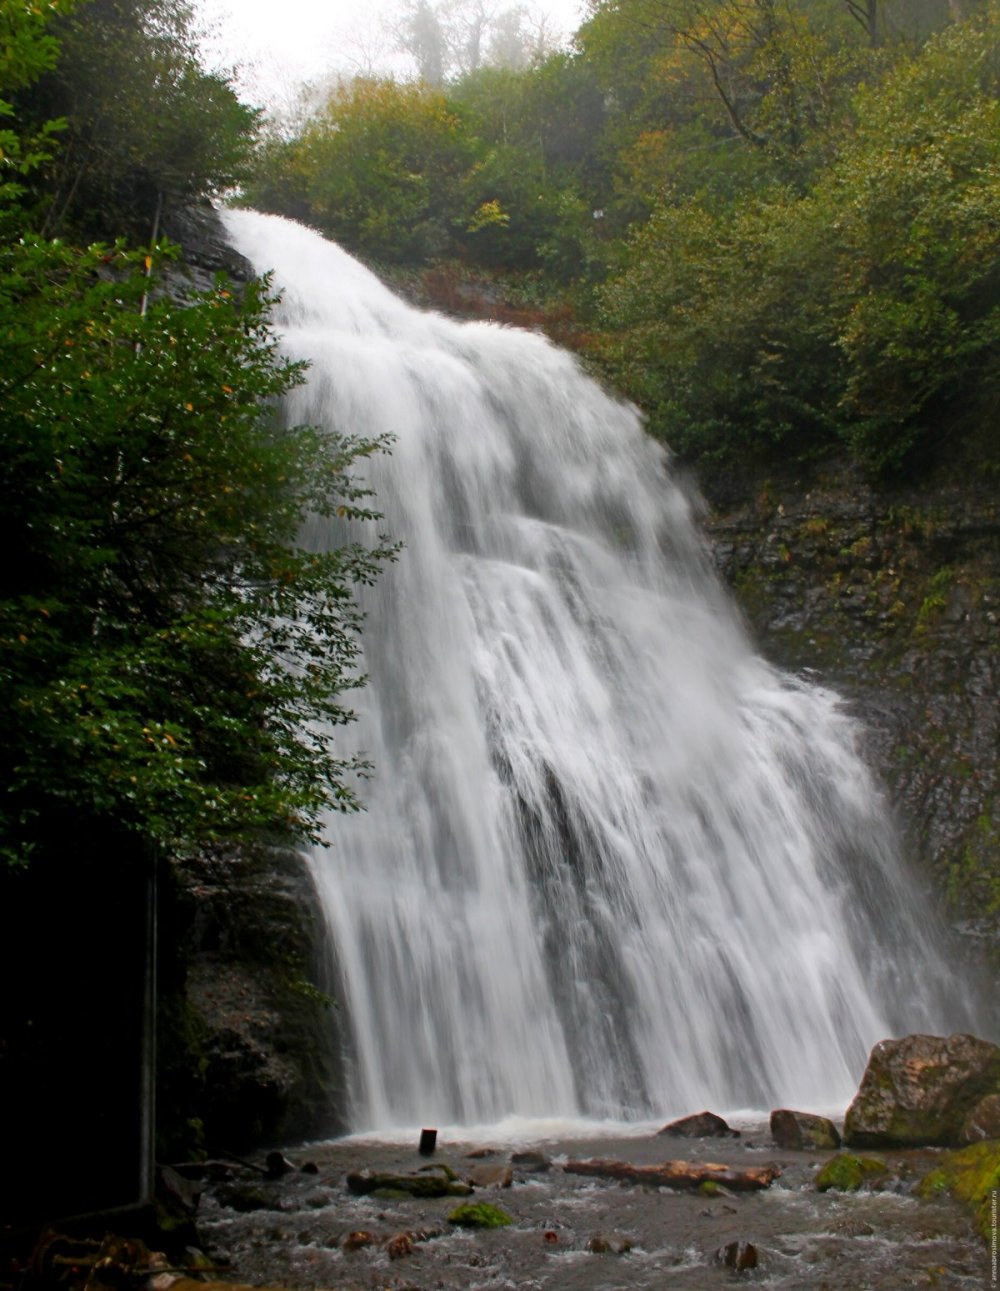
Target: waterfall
{"type": "Point", "coordinates": [613, 864]}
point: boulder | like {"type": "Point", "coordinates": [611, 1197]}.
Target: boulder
{"type": "Point", "coordinates": [983, 1122]}
{"type": "Point", "coordinates": [796, 1131]}
{"type": "Point", "coordinates": [702, 1125]}
{"type": "Point", "coordinates": [920, 1091]}
{"type": "Point", "coordinates": [431, 1181]}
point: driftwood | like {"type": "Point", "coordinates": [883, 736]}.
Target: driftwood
{"type": "Point", "coordinates": [679, 1174]}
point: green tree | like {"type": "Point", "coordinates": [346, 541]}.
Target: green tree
{"type": "Point", "coordinates": [860, 311]}
{"type": "Point", "coordinates": [916, 202]}
{"type": "Point", "coordinates": [379, 168]}
{"type": "Point", "coordinates": [719, 326]}
{"type": "Point", "coordinates": [27, 50]}
{"type": "Point", "coordinates": [142, 116]}
{"type": "Point", "coordinates": [171, 658]}
{"type": "Point", "coordinates": [536, 159]}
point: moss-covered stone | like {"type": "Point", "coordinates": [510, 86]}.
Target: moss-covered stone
{"type": "Point", "coordinates": [479, 1214]}
{"type": "Point", "coordinates": [435, 1181]}
{"type": "Point", "coordinates": [972, 1175]}
{"type": "Point", "coordinates": [847, 1173]}
{"type": "Point", "coordinates": [919, 1091]}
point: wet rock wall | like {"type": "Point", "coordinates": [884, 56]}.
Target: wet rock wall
{"type": "Point", "coordinates": [893, 598]}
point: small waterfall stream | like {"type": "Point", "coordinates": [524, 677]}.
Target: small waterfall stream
{"type": "Point", "coordinates": [613, 864]}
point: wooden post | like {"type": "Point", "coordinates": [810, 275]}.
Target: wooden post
{"type": "Point", "coordinates": [428, 1142]}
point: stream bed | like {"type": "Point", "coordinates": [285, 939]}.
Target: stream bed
{"type": "Point", "coordinates": [299, 1232]}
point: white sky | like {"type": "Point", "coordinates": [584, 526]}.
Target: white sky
{"type": "Point", "coordinates": [278, 44]}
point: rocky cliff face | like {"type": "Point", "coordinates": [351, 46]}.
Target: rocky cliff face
{"type": "Point", "coordinates": [893, 598]}
{"type": "Point", "coordinates": [250, 1044]}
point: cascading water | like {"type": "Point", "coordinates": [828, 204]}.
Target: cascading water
{"type": "Point", "coordinates": [613, 864]}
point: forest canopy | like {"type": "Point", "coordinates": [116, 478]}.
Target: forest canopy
{"type": "Point", "coordinates": [774, 221]}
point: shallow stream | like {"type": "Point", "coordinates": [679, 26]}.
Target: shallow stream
{"type": "Point", "coordinates": [804, 1239]}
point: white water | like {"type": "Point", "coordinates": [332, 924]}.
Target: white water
{"type": "Point", "coordinates": [613, 864]}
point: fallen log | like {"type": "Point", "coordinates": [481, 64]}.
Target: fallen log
{"type": "Point", "coordinates": [678, 1174]}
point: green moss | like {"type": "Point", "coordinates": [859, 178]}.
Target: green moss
{"type": "Point", "coordinates": [972, 1175]}
{"type": "Point", "coordinates": [847, 1173]}
{"type": "Point", "coordinates": [440, 1167]}
{"type": "Point", "coordinates": [479, 1215]}
{"type": "Point", "coordinates": [934, 602]}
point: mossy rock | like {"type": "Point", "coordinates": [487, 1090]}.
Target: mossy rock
{"type": "Point", "coordinates": [430, 1181]}
{"type": "Point", "coordinates": [479, 1215]}
{"type": "Point", "coordinates": [919, 1091]}
{"type": "Point", "coordinates": [848, 1173]}
{"type": "Point", "coordinates": [972, 1175]}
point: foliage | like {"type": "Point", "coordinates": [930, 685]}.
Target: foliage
{"type": "Point", "coordinates": [917, 202]}
{"type": "Point", "coordinates": [859, 310]}
{"type": "Point", "coordinates": [27, 50]}
{"type": "Point", "coordinates": [172, 658]}
{"type": "Point", "coordinates": [496, 169]}
{"type": "Point", "coordinates": [718, 326]}
{"type": "Point", "coordinates": [378, 168]}
{"type": "Point", "coordinates": [142, 116]}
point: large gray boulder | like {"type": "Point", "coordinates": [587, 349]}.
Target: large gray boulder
{"type": "Point", "coordinates": [920, 1091]}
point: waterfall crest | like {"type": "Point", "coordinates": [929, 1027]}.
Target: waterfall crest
{"type": "Point", "coordinates": [613, 864]}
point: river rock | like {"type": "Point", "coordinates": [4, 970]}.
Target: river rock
{"type": "Point", "coordinates": [740, 1256]}
{"type": "Point", "coordinates": [277, 1165]}
{"type": "Point", "coordinates": [848, 1173]}
{"type": "Point", "coordinates": [246, 1197]}
{"type": "Point", "coordinates": [491, 1176]}
{"type": "Point", "coordinates": [702, 1125]}
{"type": "Point", "coordinates": [357, 1239]}
{"type": "Point", "coordinates": [399, 1246]}
{"type": "Point", "coordinates": [795, 1131]}
{"type": "Point", "coordinates": [609, 1244]}
{"type": "Point", "coordinates": [530, 1161]}
{"type": "Point", "coordinates": [479, 1214]}
{"type": "Point", "coordinates": [983, 1122]}
{"type": "Point", "coordinates": [432, 1181]}
{"type": "Point", "coordinates": [920, 1091]}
